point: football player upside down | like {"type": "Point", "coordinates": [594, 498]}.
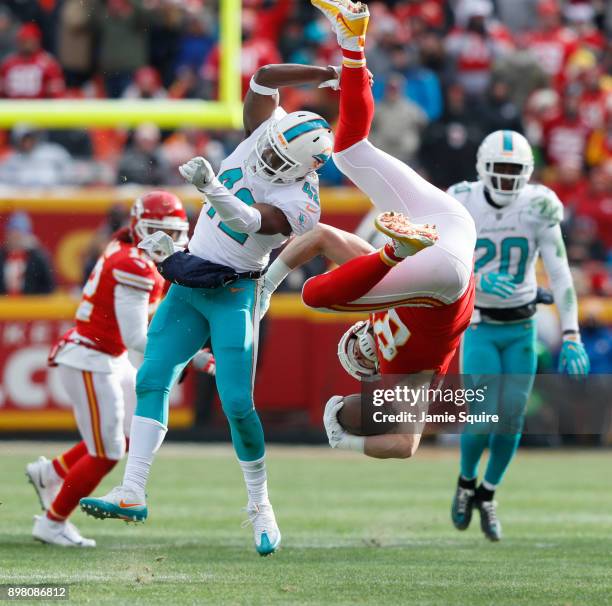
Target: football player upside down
{"type": "Point", "coordinates": [418, 288]}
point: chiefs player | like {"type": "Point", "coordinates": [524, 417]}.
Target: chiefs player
{"type": "Point", "coordinates": [420, 284]}
{"type": "Point", "coordinates": [92, 362]}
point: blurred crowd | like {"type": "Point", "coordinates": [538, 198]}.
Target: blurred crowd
{"type": "Point", "coordinates": [448, 71]}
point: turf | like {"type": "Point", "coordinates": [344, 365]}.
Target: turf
{"type": "Point", "coordinates": [355, 531]}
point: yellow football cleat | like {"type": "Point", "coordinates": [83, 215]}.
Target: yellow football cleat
{"type": "Point", "coordinates": [408, 238]}
{"type": "Point", "coordinates": [349, 20]}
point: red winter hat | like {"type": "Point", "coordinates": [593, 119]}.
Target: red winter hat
{"type": "Point", "coordinates": [29, 31]}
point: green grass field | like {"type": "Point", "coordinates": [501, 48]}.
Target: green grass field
{"type": "Point", "coordinates": [355, 531]}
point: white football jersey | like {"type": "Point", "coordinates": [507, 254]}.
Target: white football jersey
{"type": "Point", "coordinates": [214, 241]}
{"type": "Point", "coordinates": [508, 237]}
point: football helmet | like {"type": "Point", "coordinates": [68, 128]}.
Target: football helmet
{"type": "Point", "coordinates": [290, 148]}
{"type": "Point", "coordinates": [357, 345]}
{"type": "Point", "coordinates": [495, 155]}
{"type": "Point", "coordinates": [159, 211]}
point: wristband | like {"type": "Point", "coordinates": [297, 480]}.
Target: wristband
{"type": "Point", "coordinates": [262, 90]}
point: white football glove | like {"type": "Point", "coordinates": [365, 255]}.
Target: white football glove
{"type": "Point", "coordinates": [204, 361]}
{"type": "Point", "coordinates": [198, 172]}
{"type": "Point", "coordinates": [266, 296]}
{"type": "Point", "coordinates": [159, 246]}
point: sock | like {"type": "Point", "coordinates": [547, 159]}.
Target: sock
{"type": "Point", "coordinates": [346, 283]}
{"type": "Point", "coordinates": [502, 448]}
{"type": "Point", "coordinates": [80, 481]}
{"type": "Point", "coordinates": [472, 447]}
{"type": "Point", "coordinates": [66, 460]}
{"type": "Point", "coordinates": [356, 105]}
{"type": "Point", "coordinates": [146, 436]}
{"type": "Point", "coordinates": [256, 480]}
{"type": "Point", "coordinates": [484, 494]}
{"type": "Point", "coordinates": [467, 484]}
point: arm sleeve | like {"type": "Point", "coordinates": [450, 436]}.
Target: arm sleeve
{"type": "Point", "coordinates": [131, 311]}
{"type": "Point", "coordinates": [233, 212]}
{"type": "Point", "coordinates": [554, 256]}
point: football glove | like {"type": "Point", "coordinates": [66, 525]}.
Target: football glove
{"type": "Point", "coordinates": [334, 83]}
{"type": "Point", "coordinates": [204, 361]}
{"type": "Point", "coordinates": [498, 284]}
{"type": "Point", "coordinates": [198, 172]}
{"type": "Point", "coordinates": [574, 359]}
{"type": "Point", "coordinates": [159, 246]}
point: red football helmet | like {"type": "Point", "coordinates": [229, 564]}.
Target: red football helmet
{"type": "Point", "coordinates": [159, 210]}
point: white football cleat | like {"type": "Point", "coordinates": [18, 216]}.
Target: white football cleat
{"type": "Point", "coordinates": [335, 433]}
{"type": "Point", "coordinates": [408, 238]}
{"type": "Point", "coordinates": [45, 481]}
{"type": "Point", "coordinates": [265, 529]}
{"type": "Point", "coordinates": [349, 20]}
{"type": "Point", "coordinates": [121, 503]}
{"type": "Point", "coordinates": [64, 534]}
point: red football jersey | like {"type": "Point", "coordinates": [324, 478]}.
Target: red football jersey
{"type": "Point", "coordinates": [122, 263]}
{"type": "Point", "coordinates": [415, 339]}
{"type": "Point", "coordinates": [36, 77]}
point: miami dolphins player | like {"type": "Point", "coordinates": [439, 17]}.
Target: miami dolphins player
{"type": "Point", "coordinates": [266, 190]}
{"type": "Point", "coordinates": [516, 223]}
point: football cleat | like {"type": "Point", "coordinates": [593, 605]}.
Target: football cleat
{"type": "Point", "coordinates": [489, 522]}
{"type": "Point", "coordinates": [349, 20]}
{"type": "Point", "coordinates": [64, 534]}
{"type": "Point", "coordinates": [45, 481]}
{"type": "Point", "coordinates": [408, 238]}
{"type": "Point", "coordinates": [462, 507]}
{"type": "Point", "coordinates": [265, 529]}
{"type": "Point", "coordinates": [120, 503]}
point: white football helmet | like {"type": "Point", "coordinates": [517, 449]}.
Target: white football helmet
{"type": "Point", "coordinates": [287, 150]}
{"type": "Point", "coordinates": [358, 341]}
{"type": "Point", "coordinates": [505, 147]}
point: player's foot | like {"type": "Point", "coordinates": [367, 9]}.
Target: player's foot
{"type": "Point", "coordinates": [349, 20]}
{"type": "Point", "coordinates": [407, 238]}
{"type": "Point", "coordinates": [121, 503]}
{"type": "Point", "coordinates": [45, 481]}
{"type": "Point", "coordinates": [489, 522]}
{"type": "Point", "coordinates": [265, 529]}
{"type": "Point", "coordinates": [462, 507]}
{"type": "Point", "coordinates": [64, 534]}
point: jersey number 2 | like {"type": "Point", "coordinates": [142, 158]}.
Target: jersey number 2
{"type": "Point", "coordinates": [229, 178]}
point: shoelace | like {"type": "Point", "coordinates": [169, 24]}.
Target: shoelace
{"type": "Point", "coordinates": [252, 513]}
{"type": "Point", "coordinates": [462, 500]}
{"type": "Point", "coordinates": [490, 508]}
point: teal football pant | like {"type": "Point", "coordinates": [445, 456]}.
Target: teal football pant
{"type": "Point", "coordinates": [186, 318]}
{"type": "Point", "coordinates": [506, 355]}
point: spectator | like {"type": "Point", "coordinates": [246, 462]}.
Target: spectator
{"type": "Point", "coordinates": [476, 43]}
{"type": "Point", "coordinates": [597, 204]}
{"type": "Point", "coordinates": [35, 163]}
{"type": "Point", "coordinates": [30, 73]}
{"type": "Point", "coordinates": [24, 265]}
{"type": "Point", "coordinates": [197, 41]}
{"type": "Point", "coordinates": [8, 32]}
{"type": "Point", "coordinates": [143, 162]}
{"type": "Point", "coordinates": [124, 43]}
{"type": "Point", "coordinates": [570, 184]}
{"type": "Point", "coordinates": [146, 85]}
{"type": "Point", "coordinates": [394, 110]}
{"type": "Point", "coordinates": [499, 111]}
{"type": "Point", "coordinates": [449, 146]}
{"type": "Point", "coordinates": [75, 48]}
{"type": "Point", "coordinates": [165, 38]}
{"type": "Point", "coordinates": [583, 243]}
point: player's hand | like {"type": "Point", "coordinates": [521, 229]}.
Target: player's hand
{"type": "Point", "coordinates": [266, 296]}
{"type": "Point", "coordinates": [159, 246]}
{"type": "Point", "coordinates": [198, 172]}
{"type": "Point", "coordinates": [574, 359]}
{"type": "Point", "coordinates": [334, 83]}
{"type": "Point", "coordinates": [499, 284]}
{"type": "Point", "coordinates": [204, 361]}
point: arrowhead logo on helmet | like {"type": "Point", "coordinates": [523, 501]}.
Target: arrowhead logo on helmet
{"type": "Point", "coordinates": [285, 150]}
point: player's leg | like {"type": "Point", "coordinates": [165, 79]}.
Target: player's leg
{"type": "Point", "coordinates": [98, 407]}
{"type": "Point", "coordinates": [479, 356]}
{"type": "Point", "coordinates": [234, 319]}
{"type": "Point", "coordinates": [518, 366]}
{"type": "Point", "coordinates": [47, 476]}
{"type": "Point", "coordinates": [178, 330]}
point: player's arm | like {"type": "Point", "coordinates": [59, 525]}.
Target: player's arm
{"type": "Point", "coordinates": [132, 313]}
{"type": "Point", "coordinates": [574, 358]}
{"type": "Point", "coordinates": [263, 97]}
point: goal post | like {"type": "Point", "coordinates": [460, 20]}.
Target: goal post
{"type": "Point", "coordinates": [226, 112]}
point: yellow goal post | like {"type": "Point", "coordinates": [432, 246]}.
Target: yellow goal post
{"type": "Point", "coordinates": [226, 112]}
